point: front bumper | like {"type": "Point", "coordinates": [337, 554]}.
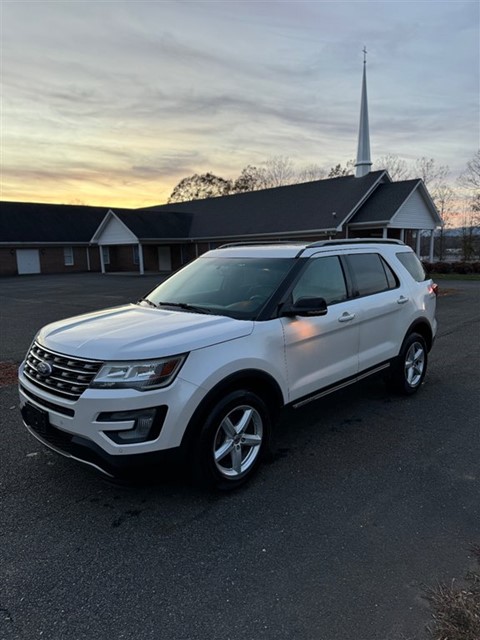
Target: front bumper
{"type": "Point", "coordinates": [87, 452]}
{"type": "Point", "coordinates": [76, 429]}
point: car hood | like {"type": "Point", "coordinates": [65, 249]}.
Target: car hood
{"type": "Point", "coordinates": [133, 332]}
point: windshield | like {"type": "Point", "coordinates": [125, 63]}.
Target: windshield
{"type": "Point", "coordinates": [235, 287]}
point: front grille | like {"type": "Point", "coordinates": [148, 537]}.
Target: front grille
{"type": "Point", "coordinates": [69, 377]}
{"type": "Point", "coordinates": [46, 404]}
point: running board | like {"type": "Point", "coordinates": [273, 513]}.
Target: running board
{"type": "Point", "coordinates": [342, 385]}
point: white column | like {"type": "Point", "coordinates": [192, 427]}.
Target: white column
{"type": "Point", "coordinates": [402, 235]}
{"type": "Point", "coordinates": [385, 232]}
{"type": "Point", "coordinates": [140, 259]}
{"type": "Point", "coordinates": [432, 240]}
{"type": "Point", "coordinates": [87, 249]}
{"type": "Point", "coordinates": [417, 243]}
{"type": "Point", "coordinates": [102, 263]}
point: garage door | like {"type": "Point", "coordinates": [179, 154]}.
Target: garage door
{"type": "Point", "coordinates": [28, 261]}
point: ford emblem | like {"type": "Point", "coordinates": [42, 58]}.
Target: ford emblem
{"type": "Point", "coordinates": [44, 368]}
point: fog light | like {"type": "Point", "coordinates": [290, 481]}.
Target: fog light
{"type": "Point", "coordinates": [147, 424]}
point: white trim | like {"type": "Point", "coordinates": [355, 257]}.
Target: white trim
{"type": "Point", "coordinates": [102, 264]}
{"type": "Point", "coordinates": [140, 259]}
{"type": "Point", "coordinates": [366, 196]}
{"type": "Point", "coordinates": [97, 236]}
{"type": "Point", "coordinates": [68, 257]}
{"type": "Point", "coordinates": [431, 247]}
{"type": "Point", "coordinates": [429, 205]}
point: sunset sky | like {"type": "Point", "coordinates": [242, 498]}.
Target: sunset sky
{"type": "Point", "coordinates": [112, 103]}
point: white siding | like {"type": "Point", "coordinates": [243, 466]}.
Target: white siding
{"type": "Point", "coordinates": [116, 232]}
{"type": "Point", "coordinates": [413, 214]}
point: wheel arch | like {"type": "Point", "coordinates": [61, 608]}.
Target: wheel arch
{"type": "Point", "coordinates": [248, 379]}
{"type": "Point", "coordinates": [422, 327]}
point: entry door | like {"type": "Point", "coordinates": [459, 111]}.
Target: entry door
{"type": "Point", "coordinates": [28, 261]}
{"type": "Point", "coordinates": [164, 259]}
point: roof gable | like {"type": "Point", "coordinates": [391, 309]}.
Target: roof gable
{"type": "Point", "coordinates": [113, 231]}
{"type": "Point", "coordinates": [389, 199]}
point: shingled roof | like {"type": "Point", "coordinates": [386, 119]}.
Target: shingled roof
{"type": "Point", "coordinates": [290, 209]}
{"type": "Point", "coordinates": [386, 200]}
{"type": "Point", "coordinates": [148, 224]}
{"type": "Point", "coordinates": [22, 222]}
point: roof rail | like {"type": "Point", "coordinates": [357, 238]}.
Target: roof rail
{"type": "Point", "coordinates": [253, 243]}
{"type": "Point", "coordinates": [348, 241]}
{"type": "Point", "coordinates": [322, 243]}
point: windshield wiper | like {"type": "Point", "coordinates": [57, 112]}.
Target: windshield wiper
{"type": "Point", "coordinates": [152, 304]}
{"type": "Point", "coordinates": [185, 306]}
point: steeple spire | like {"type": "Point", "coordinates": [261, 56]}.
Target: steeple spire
{"type": "Point", "coordinates": [363, 163]}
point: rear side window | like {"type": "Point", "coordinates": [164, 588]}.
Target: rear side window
{"type": "Point", "coordinates": [413, 265]}
{"type": "Point", "coordinates": [371, 274]}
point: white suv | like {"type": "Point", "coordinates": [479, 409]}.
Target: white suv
{"type": "Point", "coordinates": [202, 365]}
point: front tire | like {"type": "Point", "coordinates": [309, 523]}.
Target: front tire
{"type": "Point", "coordinates": [409, 369]}
{"type": "Point", "coordinates": [232, 440]}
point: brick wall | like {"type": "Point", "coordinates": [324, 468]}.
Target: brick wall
{"type": "Point", "coordinates": [8, 262]}
{"type": "Point", "coordinates": [52, 260]}
{"type": "Point", "coordinates": [121, 259]}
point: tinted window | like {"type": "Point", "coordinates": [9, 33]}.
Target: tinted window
{"type": "Point", "coordinates": [413, 265]}
{"type": "Point", "coordinates": [391, 277]}
{"type": "Point", "coordinates": [371, 274]}
{"type": "Point", "coordinates": [322, 278]}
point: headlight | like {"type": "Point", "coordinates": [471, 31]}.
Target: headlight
{"type": "Point", "coordinates": [143, 375]}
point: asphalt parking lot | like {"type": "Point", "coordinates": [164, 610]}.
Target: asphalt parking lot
{"type": "Point", "coordinates": [367, 499]}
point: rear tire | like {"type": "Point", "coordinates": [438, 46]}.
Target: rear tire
{"type": "Point", "coordinates": [232, 440]}
{"type": "Point", "coordinates": [409, 368]}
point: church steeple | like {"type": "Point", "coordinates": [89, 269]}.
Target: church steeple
{"type": "Point", "coordinates": [363, 163]}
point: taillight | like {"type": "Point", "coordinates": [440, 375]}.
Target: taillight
{"type": "Point", "coordinates": [433, 288]}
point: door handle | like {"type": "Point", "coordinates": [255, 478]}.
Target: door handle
{"type": "Point", "coordinates": [402, 300]}
{"type": "Point", "coordinates": [346, 317]}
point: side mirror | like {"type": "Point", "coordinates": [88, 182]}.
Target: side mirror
{"type": "Point", "coordinates": [305, 307]}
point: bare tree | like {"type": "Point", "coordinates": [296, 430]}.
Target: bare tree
{"type": "Point", "coordinates": [311, 172]}
{"type": "Point", "coordinates": [444, 201]}
{"type": "Point", "coordinates": [428, 170]}
{"type": "Point", "coordinates": [250, 179]}
{"type": "Point", "coordinates": [198, 187]}
{"type": "Point", "coordinates": [470, 229]}
{"type": "Point", "coordinates": [279, 171]}
{"type": "Point", "coordinates": [276, 172]}
{"type": "Point", "coordinates": [470, 179]}
{"type": "Point", "coordinates": [338, 171]}
{"type": "Point", "coordinates": [397, 168]}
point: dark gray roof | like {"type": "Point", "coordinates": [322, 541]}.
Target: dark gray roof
{"type": "Point", "coordinates": [384, 203]}
{"type": "Point", "coordinates": [154, 224]}
{"type": "Point", "coordinates": [35, 222]}
{"type": "Point", "coordinates": [293, 208]}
